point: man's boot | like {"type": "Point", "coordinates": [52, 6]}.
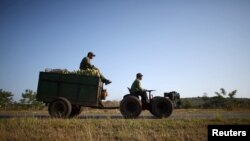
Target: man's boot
{"type": "Point", "coordinates": [106, 81]}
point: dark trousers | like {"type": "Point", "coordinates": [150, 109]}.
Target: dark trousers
{"type": "Point", "coordinates": [143, 95]}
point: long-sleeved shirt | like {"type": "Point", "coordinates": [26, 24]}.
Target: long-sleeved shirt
{"type": "Point", "coordinates": [136, 86]}
{"type": "Point", "coordinates": [85, 63]}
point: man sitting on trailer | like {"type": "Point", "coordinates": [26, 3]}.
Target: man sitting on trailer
{"type": "Point", "coordinates": [137, 89]}
{"type": "Point", "coordinates": [85, 64]}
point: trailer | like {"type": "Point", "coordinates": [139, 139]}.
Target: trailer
{"type": "Point", "coordinates": [65, 94]}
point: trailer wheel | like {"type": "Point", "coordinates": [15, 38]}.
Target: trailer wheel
{"type": "Point", "coordinates": [60, 108]}
{"type": "Point", "coordinates": [130, 107]}
{"type": "Point", "coordinates": [161, 107]}
{"type": "Point", "coordinates": [76, 110]}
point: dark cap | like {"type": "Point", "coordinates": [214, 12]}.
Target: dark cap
{"type": "Point", "coordinates": [139, 75]}
{"type": "Point", "coordinates": [91, 54]}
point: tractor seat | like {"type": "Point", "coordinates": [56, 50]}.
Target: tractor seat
{"type": "Point", "coordinates": [129, 90]}
{"type": "Point", "coordinates": [131, 93]}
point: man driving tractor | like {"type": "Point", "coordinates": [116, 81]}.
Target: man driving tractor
{"type": "Point", "coordinates": [138, 90]}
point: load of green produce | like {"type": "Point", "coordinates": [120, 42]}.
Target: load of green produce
{"type": "Point", "coordinates": [87, 72]}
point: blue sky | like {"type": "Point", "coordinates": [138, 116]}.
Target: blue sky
{"type": "Point", "coordinates": [191, 47]}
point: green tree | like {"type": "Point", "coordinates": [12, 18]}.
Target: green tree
{"type": "Point", "coordinates": [222, 101]}
{"type": "Point", "coordinates": [5, 98]}
{"type": "Point", "coordinates": [232, 94]}
{"type": "Point", "coordinates": [29, 98]}
{"type": "Point", "coordinates": [206, 100]}
{"type": "Point", "coordinates": [185, 103]}
{"type": "Point", "coordinates": [222, 93]}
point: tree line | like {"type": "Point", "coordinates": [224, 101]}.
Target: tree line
{"type": "Point", "coordinates": [222, 99]}
{"type": "Point", "coordinates": [28, 101]}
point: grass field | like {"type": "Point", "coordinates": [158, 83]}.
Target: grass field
{"type": "Point", "coordinates": [109, 129]}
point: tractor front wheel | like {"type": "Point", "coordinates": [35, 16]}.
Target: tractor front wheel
{"type": "Point", "coordinates": [161, 107]}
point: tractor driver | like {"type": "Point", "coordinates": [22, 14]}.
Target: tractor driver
{"type": "Point", "coordinates": [85, 64]}
{"type": "Point", "coordinates": [137, 89]}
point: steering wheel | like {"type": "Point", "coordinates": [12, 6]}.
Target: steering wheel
{"type": "Point", "coordinates": [150, 90]}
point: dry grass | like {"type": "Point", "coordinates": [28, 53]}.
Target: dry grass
{"type": "Point", "coordinates": [33, 129]}
{"type": "Point", "coordinates": [111, 129]}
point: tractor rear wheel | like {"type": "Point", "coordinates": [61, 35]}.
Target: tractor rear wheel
{"type": "Point", "coordinates": [161, 107]}
{"type": "Point", "coordinates": [60, 108]}
{"type": "Point", "coordinates": [130, 107]}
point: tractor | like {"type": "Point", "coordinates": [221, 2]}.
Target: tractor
{"type": "Point", "coordinates": [131, 105]}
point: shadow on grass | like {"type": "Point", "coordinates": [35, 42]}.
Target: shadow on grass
{"type": "Point", "coordinates": [79, 117]}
